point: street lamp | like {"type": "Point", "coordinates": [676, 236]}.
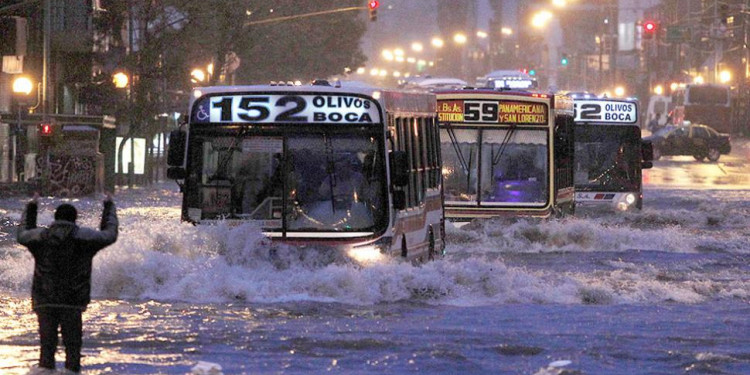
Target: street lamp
{"type": "Point", "coordinates": [725, 76]}
{"type": "Point", "coordinates": [201, 75]}
{"type": "Point", "coordinates": [460, 38]}
{"type": "Point", "coordinates": [120, 80]}
{"type": "Point", "coordinates": [198, 75]}
{"type": "Point", "coordinates": [22, 88]}
{"type": "Point", "coordinates": [539, 19]}
{"type": "Point", "coordinates": [22, 85]}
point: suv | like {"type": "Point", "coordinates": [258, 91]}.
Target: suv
{"type": "Point", "coordinates": [699, 141]}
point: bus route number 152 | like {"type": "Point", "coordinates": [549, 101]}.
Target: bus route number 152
{"type": "Point", "coordinates": [292, 109]}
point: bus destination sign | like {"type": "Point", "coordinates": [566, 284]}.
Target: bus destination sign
{"type": "Point", "coordinates": [272, 108]}
{"type": "Point", "coordinates": [493, 111]}
{"type": "Point", "coordinates": [606, 111]}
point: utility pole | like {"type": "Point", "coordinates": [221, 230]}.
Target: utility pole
{"type": "Point", "coordinates": [46, 32]}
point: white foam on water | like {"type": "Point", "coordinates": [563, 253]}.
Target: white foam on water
{"type": "Point", "coordinates": [158, 257]}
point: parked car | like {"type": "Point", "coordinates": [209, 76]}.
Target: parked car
{"type": "Point", "coordinates": [696, 140]}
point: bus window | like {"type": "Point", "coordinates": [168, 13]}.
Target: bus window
{"type": "Point", "coordinates": [459, 149]}
{"type": "Point", "coordinates": [608, 162]}
{"type": "Point", "coordinates": [416, 160]}
{"type": "Point", "coordinates": [331, 184]}
{"type": "Point", "coordinates": [242, 177]}
{"type": "Point", "coordinates": [514, 166]}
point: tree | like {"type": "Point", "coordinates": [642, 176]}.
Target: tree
{"type": "Point", "coordinates": [301, 48]}
{"type": "Point", "coordinates": [166, 39]}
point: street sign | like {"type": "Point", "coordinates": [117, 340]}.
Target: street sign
{"type": "Point", "coordinates": [678, 34]}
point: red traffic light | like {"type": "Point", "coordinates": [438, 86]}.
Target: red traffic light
{"type": "Point", "coordinates": [45, 129]}
{"type": "Point", "coordinates": [372, 9]}
{"type": "Point", "coordinates": [649, 29]}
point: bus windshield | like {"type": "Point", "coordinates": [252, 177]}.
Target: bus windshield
{"type": "Point", "coordinates": [607, 158]}
{"type": "Point", "coordinates": [513, 166]}
{"type": "Point", "coordinates": [309, 182]}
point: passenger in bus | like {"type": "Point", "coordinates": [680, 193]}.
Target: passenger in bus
{"type": "Point", "coordinates": [619, 173]}
{"type": "Point", "coordinates": [308, 169]}
{"type": "Point", "coordinates": [519, 179]}
{"type": "Point", "coordinates": [343, 183]}
{"type": "Point", "coordinates": [246, 186]}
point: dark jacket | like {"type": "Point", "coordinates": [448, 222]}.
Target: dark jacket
{"type": "Point", "coordinates": [62, 257]}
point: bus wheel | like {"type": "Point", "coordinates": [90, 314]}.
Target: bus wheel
{"type": "Point", "coordinates": [713, 154]}
{"type": "Point", "coordinates": [431, 248]}
{"type": "Point", "coordinates": [404, 251]}
{"type": "Point", "coordinates": [698, 157]}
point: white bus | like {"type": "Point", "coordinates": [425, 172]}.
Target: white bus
{"type": "Point", "coordinates": [506, 153]}
{"type": "Point", "coordinates": [356, 169]}
{"type": "Point", "coordinates": [609, 153]}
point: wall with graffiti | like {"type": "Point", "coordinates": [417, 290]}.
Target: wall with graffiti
{"type": "Point", "coordinates": [73, 175]}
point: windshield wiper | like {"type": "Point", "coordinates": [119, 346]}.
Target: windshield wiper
{"type": "Point", "coordinates": [496, 158]}
{"type": "Point", "coordinates": [330, 169]}
{"type": "Point", "coordinates": [457, 148]}
{"type": "Point", "coordinates": [223, 164]}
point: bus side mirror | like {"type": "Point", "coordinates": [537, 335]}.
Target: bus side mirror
{"type": "Point", "coordinates": [176, 151]}
{"type": "Point", "coordinates": [399, 199]}
{"type": "Point", "coordinates": [647, 151]}
{"type": "Point", "coordinates": [399, 168]}
{"type": "Point", "coordinates": [647, 154]}
{"type": "Point", "coordinates": [176, 173]}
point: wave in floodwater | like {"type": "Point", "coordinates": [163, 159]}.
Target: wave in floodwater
{"type": "Point", "coordinates": [694, 250]}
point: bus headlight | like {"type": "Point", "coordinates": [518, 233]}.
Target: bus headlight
{"type": "Point", "coordinates": [626, 202]}
{"type": "Point", "coordinates": [370, 253]}
{"type": "Point", "coordinates": [366, 254]}
{"type": "Point", "coordinates": [630, 199]}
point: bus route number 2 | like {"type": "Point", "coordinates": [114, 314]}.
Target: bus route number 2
{"type": "Point", "coordinates": [591, 111]}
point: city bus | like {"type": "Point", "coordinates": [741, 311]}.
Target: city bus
{"type": "Point", "coordinates": [706, 103]}
{"type": "Point", "coordinates": [353, 169]}
{"type": "Point", "coordinates": [506, 153]}
{"type": "Point", "coordinates": [609, 153]}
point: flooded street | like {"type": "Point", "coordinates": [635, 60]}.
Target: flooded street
{"type": "Point", "coordinates": [661, 291]}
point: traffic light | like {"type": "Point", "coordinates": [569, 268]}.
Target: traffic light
{"type": "Point", "coordinates": [564, 59]}
{"type": "Point", "coordinates": [649, 29]}
{"type": "Point", "coordinates": [372, 8]}
{"type": "Point", "coordinates": [45, 130]}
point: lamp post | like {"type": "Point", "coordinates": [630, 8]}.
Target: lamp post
{"type": "Point", "coordinates": [22, 88]}
{"type": "Point", "coordinates": [546, 21]}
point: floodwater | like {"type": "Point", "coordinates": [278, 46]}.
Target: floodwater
{"type": "Point", "coordinates": [662, 291]}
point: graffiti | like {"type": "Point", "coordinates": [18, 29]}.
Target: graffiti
{"type": "Point", "coordinates": [71, 175]}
